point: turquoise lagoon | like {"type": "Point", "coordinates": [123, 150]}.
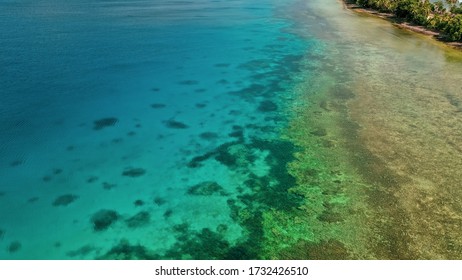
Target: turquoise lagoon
{"type": "Point", "coordinates": [144, 129]}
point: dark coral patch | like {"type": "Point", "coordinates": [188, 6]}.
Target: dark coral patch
{"type": "Point", "coordinates": [175, 124]}
{"type": "Point", "coordinates": [238, 132]}
{"type": "Point", "coordinates": [46, 178]}
{"type": "Point", "coordinates": [16, 163]}
{"type": "Point", "coordinates": [223, 82]}
{"type": "Point", "coordinates": [65, 200]}
{"type": "Point", "coordinates": [92, 179]}
{"type": "Point", "coordinates": [103, 219]}
{"type": "Point", "coordinates": [14, 247]}
{"type": "Point", "coordinates": [108, 186]}
{"type": "Point", "coordinates": [206, 245]}
{"type": "Point", "coordinates": [2, 194]}
{"type": "Point", "coordinates": [134, 172]}
{"type": "Point", "coordinates": [168, 213]}
{"type": "Point", "coordinates": [158, 105]}
{"type": "Point", "coordinates": [140, 219]}
{"type": "Point", "coordinates": [222, 65]}
{"type": "Point", "coordinates": [57, 171]}
{"type": "Point", "coordinates": [103, 123]}
{"type": "Point", "coordinates": [117, 140]}
{"type": "Point", "coordinates": [235, 113]}
{"type": "Point", "coordinates": [208, 135]}
{"type": "Point", "coordinates": [138, 202]}
{"type": "Point", "coordinates": [188, 82]}
{"type": "Point", "coordinates": [81, 252]}
{"type": "Point", "coordinates": [267, 106]}
{"type": "Point", "coordinates": [206, 188]}
{"type": "Point", "coordinates": [2, 234]}
{"type": "Point", "coordinates": [159, 201]}
{"type": "Point", "coordinates": [125, 251]}
{"type": "Point", "coordinates": [201, 105]}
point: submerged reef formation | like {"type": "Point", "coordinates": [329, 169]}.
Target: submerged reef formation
{"type": "Point", "coordinates": [133, 172]}
{"type": "Point", "coordinates": [158, 105]}
{"type": "Point", "coordinates": [14, 247]}
{"type": "Point", "coordinates": [65, 199]}
{"type": "Point", "coordinates": [103, 123]}
{"type": "Point", "coordinates": [103, 219]}
{"type": "Point", "coordinates": [206, 188]}
{"type": "Point", "coordinates": [140, 219]}
{"type": "Point", "coordinates": [138, 202]}
{"type": "Point", "coordinates": [81, 252]}
{"type": "Point", "coordinates": [126, 251]}
{"type": "Point", "coordinates": [175, 124]}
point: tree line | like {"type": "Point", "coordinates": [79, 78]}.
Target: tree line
{"type": "Point", "coordinates": [444, 17]}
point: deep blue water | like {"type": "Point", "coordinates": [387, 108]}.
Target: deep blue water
{"type": "Point", "coordinates": [159, 111]}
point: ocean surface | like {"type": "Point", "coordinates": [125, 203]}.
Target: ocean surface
{"type": "Point", "coordinates": [140, 123]}
{"type": "Point", "coordinates": [226, 129]}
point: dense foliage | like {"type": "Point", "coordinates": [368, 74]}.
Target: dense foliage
{"type": "Point", "coordinates": [445, 17]}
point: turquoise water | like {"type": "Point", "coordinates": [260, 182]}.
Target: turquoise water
{"type": "Point", "coordinates": [144, 129]}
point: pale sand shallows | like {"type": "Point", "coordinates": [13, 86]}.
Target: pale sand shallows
{"type": "Point", "coordinates": [391, 117]}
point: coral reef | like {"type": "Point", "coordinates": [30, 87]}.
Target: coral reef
{"type": "Point", "coordinates": [33, 199]}
{"type": "Point", "coordinates": [103, 219]}
{"type": "Point", "coordinates": [64, 200]}
{"type": "Point", "coordinates": [222, 65]}
{"type": "Point", "coordinates": [158, 105]}
{"type": "Point", "coordinates": [57, 171]}
{"type": "Point", "coordinates": [14, 247]}
{"type": "Point", "coordinates": [125, 251]}
{"type": "Point", "coordinates": [138, 202]}
{"type": "Point", "coordinates": [159, 201]}
{"type": "Point", "coordinates": [267, 106]}
{"type": "Point", "coordinates": [81, 252]}
{"type": "Point", "coordinates": [188, 82]}
{"type": "Point", "coordinates": [133, 172]}
{"type": "Point", "coordinates": [140, 219]}
{"type": "Point", "coordinates": [108, 186]}
{"type": "Point", "coordinates": [46, 178]}
{"type": "Point", "coordinates": [103, 123]}
{"type": "Point", "coordinates": [168, 213]}
{"type": "Point", "coordinates": [175, 124]}
{"type": "Point", "coordinates": [208, 135]}
{"type": "Point", "coordinates": [92, 179]}
{"type": "Point", "coordinates": [206, 188]}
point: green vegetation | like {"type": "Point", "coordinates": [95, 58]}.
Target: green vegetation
{"type": "Point", "coordinates": [444, 17]}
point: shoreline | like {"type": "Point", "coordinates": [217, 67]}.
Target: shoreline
{"type": "Point", "coordinates": [401, 23]}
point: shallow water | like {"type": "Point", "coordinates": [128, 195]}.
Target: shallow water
{"type": "Point", "coordinates": [224, 130]}
{"type": "Point", "coordinates": [383, 181]}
